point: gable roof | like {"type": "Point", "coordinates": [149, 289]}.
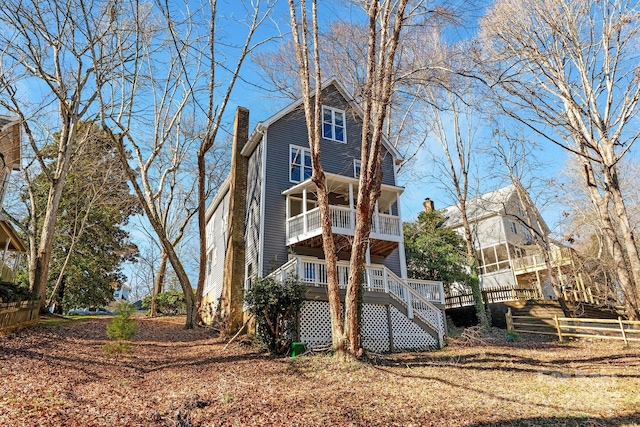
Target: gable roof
{"type": "Point", "coordinates": [256, 135]}
{"type": "Point", "coordinates": [6, 121]}
{"type": "Point", "coordinates": [483, 206]}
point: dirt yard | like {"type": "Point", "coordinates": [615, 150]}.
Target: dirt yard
{"type": "Point", "coordinates": [57, 375]}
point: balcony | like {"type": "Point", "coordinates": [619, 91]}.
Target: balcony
{"type": "Point", "coordinates": [304, 228]}
{"type": "Point", "coordinates": [533, 263]}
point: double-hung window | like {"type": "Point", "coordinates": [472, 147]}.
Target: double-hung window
{"type": "Point", "coordinates": [333, 124]}
{"type": "Point", "coordinates": [357, 165]}
{"type": "Point", "coordinates": [513, 227]}
{"type": "Point", "coordinates": [299, 164]}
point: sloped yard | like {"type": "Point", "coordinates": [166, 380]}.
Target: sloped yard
{"type": "Point", "coordinates": [57, 375]}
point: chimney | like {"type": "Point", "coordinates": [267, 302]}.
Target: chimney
{"type": "Point", "coordinates": [428, 205]}
{"type": "Point", "coordinates": [233, 277]}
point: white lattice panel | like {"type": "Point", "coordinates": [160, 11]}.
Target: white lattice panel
{"type": "Point", "coordinates": [407, 335]}
{"type": "Point", "coordinates": [315, 323]}
{"type": "Point", "coordinates": [375, 328]}
{"type": "Point", "coordinates": [435, 317]}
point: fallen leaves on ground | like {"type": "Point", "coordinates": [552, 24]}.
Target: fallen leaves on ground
{"type": "Point", "coordinates": [58, 376]}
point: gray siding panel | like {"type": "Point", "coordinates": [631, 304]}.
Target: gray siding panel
{"type": "Point", "coordinates": [392, 262]}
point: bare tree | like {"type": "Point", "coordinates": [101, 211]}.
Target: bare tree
{"type": "Point", "coordinates": [171, 102]}
{"type": "Point", "coordinates": [454, 111]}
{"type": "Point", "coordinates": [45, 47]}
{"type": "Point", "coordinates": [385, 21]}
{"type": "Point", "coordinates": [516, 156]}
{"type": "Point", "coordinates": [568, 71]}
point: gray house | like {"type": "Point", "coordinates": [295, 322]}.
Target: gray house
{"type": "Point", "coordinates": [271, 183]}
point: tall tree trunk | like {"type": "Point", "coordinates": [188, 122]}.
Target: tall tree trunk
{"type": "Point", "coordinates": [158, 283]}
{"type": "Point", "coordinates": [156, 224]}
{"type": "Point", "coordinates": [632, 297]}
{"type": "Point", "coordinates": [482, 312]}
{"type": "Point", "coordinates": [39, 265]}
{"type": "Point", "coordinates": [601, 204]}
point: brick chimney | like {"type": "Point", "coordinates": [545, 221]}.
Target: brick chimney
{"type": "Point", "coordinates": [428, 205]}
{"type": "Point", "coordinates": [233, 278]}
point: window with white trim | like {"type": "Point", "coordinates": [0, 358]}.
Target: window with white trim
{"type": "Point", "coordinates": [513, 227]}
{"type": "Point", "coordinates": [357, 164]}
{"type": "Point", "coordinates": [527, 233]}
{"type": "Point", "coordinates": [333, 124]}
{"type": "Point", "coordinates": [299, 164]}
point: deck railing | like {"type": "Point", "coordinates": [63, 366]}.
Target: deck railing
{"type": "Point", "coordinates": [308, 224]}
{"type": "Point", "coordinates": [492, 295]}
{"type": "Point", "coordinates": [429, 289]}
{"type": "Point", "coordinates": [535, 262]}
{"type": "Point", "coordinates": [313, 272]}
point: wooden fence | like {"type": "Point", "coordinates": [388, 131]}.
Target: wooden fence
{"type": "Point", "coordinates": [17, 314]}
{"type": "Point", "coordinates": [564, 327]}
{"type": "Point", "coordinates": [490, 296]}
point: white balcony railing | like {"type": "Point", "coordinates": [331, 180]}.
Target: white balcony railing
{"type": "Point", "coordinates": [558, 258]}
{"type": "Point", "coordinates": [307, 224]}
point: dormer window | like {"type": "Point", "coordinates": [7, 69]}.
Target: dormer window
{"type": "Point", "coordinates": [333, 124]}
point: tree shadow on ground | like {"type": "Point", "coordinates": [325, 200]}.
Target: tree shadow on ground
{"type": "Point", "coordinates": [482, 360]}
{"type": "Point", "coordinates": [629, 420]}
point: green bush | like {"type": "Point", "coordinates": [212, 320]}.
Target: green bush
{"type": "Point", "coordinates": [12, 292]}
{"type": "Point", "coordinates": [169, 303]}
{"type": "Point", "coordinates": [121, 328]}
{"type": "Point", "coordinates": [276, 306]}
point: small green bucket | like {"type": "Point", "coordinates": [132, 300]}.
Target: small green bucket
{"type": "Point", "coordinates": [297, 348]}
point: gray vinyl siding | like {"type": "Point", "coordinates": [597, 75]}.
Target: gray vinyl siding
{"type": "Point", "coordinates": [392, 262]}
{"type": "Point", "coordinates": [337, 158]}
{"type": "Point", "coordinates": [252, 219]}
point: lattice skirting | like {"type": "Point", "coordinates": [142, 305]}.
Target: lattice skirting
{"type": "Point", "coordinates": [315, 328]}
{"type": "Point", "coordinates": [407, 335]}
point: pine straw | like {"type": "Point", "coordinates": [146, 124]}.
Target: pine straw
{"type": "Point", "coordinates": [59, 376]}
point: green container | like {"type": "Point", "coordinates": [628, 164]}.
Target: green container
{"type": "Point", "coordinates": [297, 348]}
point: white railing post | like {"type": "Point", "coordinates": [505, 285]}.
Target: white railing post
{"type": "Point", "coordinates": [409, 305]}
{"type": "Point", "coordinates": [385, 280]}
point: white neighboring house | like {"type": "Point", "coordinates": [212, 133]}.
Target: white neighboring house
{"type": "Point", "coordinates": [505, 247]}
{"type": "Point", "coordinates": [11, 246]}
{"type": "Point", "coordinates": [122, 293]}
{"type": "Point", "coordinates": [282, 231]}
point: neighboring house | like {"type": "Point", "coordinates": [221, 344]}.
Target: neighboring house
{"type": "Point", "coordinates": [11, 246]}
{"type": "Point", "coordinates": [282, 232]}
{"type": "Point", "coordinates": [122, 293]}
{"type": "Point", "coordinates": [506, 249]}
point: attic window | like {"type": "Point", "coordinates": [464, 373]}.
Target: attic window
{"type": "Point", "coordinates": [333, 124]}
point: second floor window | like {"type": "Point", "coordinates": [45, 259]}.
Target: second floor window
{"type": "Point", "coordinates": [333, 126]}
{"type": "Point", "coordinates": [513, 227]}
{"type": "Point", "coordinates": [356, 168]}
{"type": "Point", "coordinates": [299, 164]}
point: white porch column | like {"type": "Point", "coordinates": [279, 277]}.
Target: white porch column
{"type": "Point", "coordinates": [352, 212]}
{"type": "Point", "coordinates": [304, 210]}
{"type": "Point", "coordinates": [288, 215]}
{"type": "Point", "coordinates": [6, 249]}
{"type": "Point", "coordinates": [367, 255]}
{"type": "Point", "coordinates": [401, 253]}
{"type": "Point", "coordinates": [376, 218]}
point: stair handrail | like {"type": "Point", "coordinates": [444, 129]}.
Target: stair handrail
{"type": "Point", "coordinates": [284, 269]}
{"type": "Point", "coordinates": [412, 294]}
